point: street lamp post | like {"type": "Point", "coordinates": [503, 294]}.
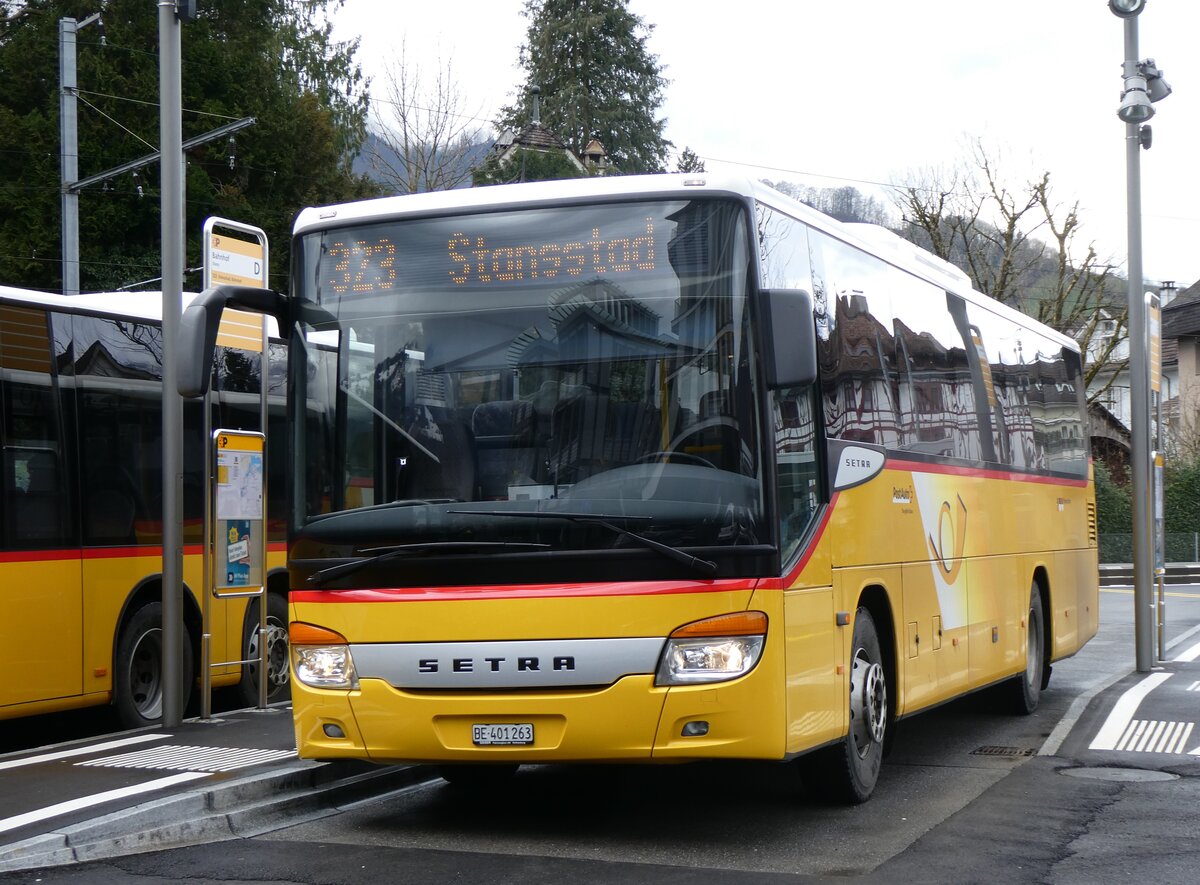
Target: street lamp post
{"type": "Point", "coordinates": [1143, 85]}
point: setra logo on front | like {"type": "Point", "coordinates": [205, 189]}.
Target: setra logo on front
{"type": "Point", "coordinates": [530, 664]}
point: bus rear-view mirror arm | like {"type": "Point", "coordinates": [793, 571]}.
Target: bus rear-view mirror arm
{"type": "Point", "coordinates": [198, 330]}
{"type": "Point", "coordinates": [789, 338]}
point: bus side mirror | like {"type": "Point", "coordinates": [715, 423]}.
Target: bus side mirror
{"type": "Point", "coordinates": [198, 330]}
{"type": "Point", "coordinates": [789, 338]}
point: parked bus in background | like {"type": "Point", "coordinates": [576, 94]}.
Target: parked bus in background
{"type": "Point", "coordinates": [661, 468]}
{"type": "Point", "coordinates": [81, 521]}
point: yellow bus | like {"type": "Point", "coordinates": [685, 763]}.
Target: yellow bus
{"type": "Point", "coordinates": [657, 469]}
{"type": "Point", "coordinates": [81, 519]}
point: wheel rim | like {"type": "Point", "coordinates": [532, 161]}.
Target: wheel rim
{"type": "Point", "coordinates": [1033, 650]}
{"type": "Point", "coordinates": [145, 674]}
{"type": "Point", "coordinates": [277, 654]}
{"type": "Point", "coordinates": [868, 703]}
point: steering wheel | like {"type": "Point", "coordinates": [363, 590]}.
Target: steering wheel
{"type": "Point", "coordinates": [685, 457]}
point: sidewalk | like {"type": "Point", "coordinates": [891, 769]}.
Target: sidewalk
{"type": "Point", "coordinates": [205, 781]}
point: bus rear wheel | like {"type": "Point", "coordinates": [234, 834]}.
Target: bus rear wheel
{"type": "Point", "coordinates": [138, 673]}
{"type": "Point", "coordinates": [847, 772]}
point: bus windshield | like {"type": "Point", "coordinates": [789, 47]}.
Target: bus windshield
{"type": "Point", "coordinates": [468, 375]}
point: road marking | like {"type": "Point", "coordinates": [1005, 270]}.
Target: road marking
{"type": "Point", "coordinates": [81, 751]}
{"type": "Point", "coordinates": [40, 814]}
{"type": "Point", "coordinates": [184, 758]}
{"type": "Point", "coordinates": [1128, 591]}
{"type": "Point", "coordinates": [1122, 712]}
{"type": "Point", "coordinates": [1155, 736]}
{"type": "Point", "coordinates": [1190, 655]}
{"type": "Point", "coordinates": [1195, 686]}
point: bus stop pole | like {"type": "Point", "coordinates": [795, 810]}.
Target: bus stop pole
{"type": "Point", "coordinates": [171, 149]}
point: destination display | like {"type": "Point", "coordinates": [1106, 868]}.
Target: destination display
{"type": "Point", "coordinates": [488, 251]}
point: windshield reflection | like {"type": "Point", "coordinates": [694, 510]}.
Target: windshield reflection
{"type": "Point", "coordinates": [442, 400]}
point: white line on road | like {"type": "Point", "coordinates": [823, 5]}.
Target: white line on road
{"type": "Point", "coordinates": [1190, 655]}
{"type": "Point", "coordinates": [82, 751]}
{"type": "Point", "coordinates": [1122, 712]}
{"type": "Point", "coordinates": [40, 814]}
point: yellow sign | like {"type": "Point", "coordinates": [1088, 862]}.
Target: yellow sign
{"type": "Point", "coordinates": [236, 262]}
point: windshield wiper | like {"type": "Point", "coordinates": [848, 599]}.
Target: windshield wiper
{"type": "Point", "coordinates": [379, 554]}
{"type": "Point", "coordinates": [604, 520]}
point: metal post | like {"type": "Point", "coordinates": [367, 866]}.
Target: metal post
{"type": "Point", "coordinates": [263, 626]}
{"type": "Point", "coordinates": [1139, 419]}
{"type": "Point", "coordinates": [171, 147]}
{"type": "Point", "coordinates": [68, 140]}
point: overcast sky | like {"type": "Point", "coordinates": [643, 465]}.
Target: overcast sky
{"type": "Point", "coordinates": [869, 92]}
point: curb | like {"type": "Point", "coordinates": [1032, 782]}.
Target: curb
{"type": "Point", "coordinates": [241, 808]}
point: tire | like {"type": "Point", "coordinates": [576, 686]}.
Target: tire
{"type": "Point", "coordinates": [481, 778]}
{"type": "Point", "coordinates": [1025, 689]}
{"type": "Point", "coordinates": [278, 674]}
{"type": "Point", "coordinates": [847, 772]}
{"type": "Point", "coordinates": [138, 672]}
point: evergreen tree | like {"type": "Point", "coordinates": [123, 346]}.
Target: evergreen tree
{"type": "Point", "coordinates": [273, 60]}
{"type": "Point", "coordinates": [597, 79]}
{"type": "Point", "coordinates": [689, 161]}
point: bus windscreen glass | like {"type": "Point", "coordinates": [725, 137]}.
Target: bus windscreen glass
{"type": "Point", "coordinates": [592, 359]}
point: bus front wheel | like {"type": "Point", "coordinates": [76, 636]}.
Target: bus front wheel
{"type": "Point", "coordinates": [138, 674]}
{"type": "Point", "coordinates": [848, 771]}
{"type": "Point", "coordinates": [1025, 689]}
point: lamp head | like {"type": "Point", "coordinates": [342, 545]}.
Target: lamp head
{"type": "Point", "coordinates": [1126, 8]}
{"type": "Point", "coordinates": [1135, 107]}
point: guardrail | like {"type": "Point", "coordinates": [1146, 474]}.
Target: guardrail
{"type": "Point", "coordinates": [1121, 574]}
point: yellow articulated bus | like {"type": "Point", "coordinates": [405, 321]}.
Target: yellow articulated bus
{"type": "Point", "coordinates": [81, 516]}
{"type": "Point", "coordinates": [661, 468]}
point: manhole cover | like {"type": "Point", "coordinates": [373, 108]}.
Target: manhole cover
{"type": "Point", "coordinates": [1124, 775]}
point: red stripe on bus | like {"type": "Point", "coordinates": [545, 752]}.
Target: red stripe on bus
{"type": "Point", "coordinates": [815, 541]}
{"type": "Point", "coordinates": [38, 555]}
{"type": "Point", "coordinates": [534, 591]}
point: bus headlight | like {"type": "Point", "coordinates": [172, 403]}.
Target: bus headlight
{"type": "Point", "coordinates": [713, 650]}
{"type": "Point", "coordinates": [321, 658]}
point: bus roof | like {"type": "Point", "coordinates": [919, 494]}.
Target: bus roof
{"type": "Point", "coordinates": [135, 305]}
{"type": "Point", "coordinates": [874, 239]}
{"type": "Point", "coordinates": [145, 306]}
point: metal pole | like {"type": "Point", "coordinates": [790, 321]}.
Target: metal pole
{"type": "Point", "coordinates": [171, 147]}
{"type": "Point", "coordinates": [1139, 419]}
{"type": "Point", "coordinates": [263, 627]}
{"type": "Point", "coordinates": [68, 140]}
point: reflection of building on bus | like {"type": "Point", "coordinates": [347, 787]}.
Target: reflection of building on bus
{"type": "Point", "coordinates": [81, 521]}
{"type": "Point", "coordinates": [758, 494]}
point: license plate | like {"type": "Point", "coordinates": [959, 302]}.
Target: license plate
{"type": "Point", "coordinates": [510, 734]}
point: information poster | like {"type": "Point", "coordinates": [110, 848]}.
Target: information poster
{"type": "Point", "coordinates": [239, 493]}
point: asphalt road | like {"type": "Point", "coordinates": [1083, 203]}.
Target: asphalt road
{"type": "Point", "coordinates": [964, 797]}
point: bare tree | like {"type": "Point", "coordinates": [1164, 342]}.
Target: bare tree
{"type": "Point", "coordinates": [1020, 247]}
{"type": "Point", "coordinates": [424, 136]}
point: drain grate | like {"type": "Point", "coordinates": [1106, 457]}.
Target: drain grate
{"type": "Point", "coordinates": [176, 758]}
{"type": "Point", "coordinates": [1009, 752]}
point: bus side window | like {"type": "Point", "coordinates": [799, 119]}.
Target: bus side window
{"type": "Point", "coordinates": [37, 510]}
